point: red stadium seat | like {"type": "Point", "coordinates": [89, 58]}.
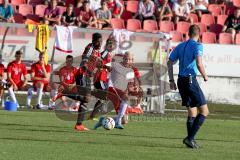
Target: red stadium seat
{"type": "Point", "coordinates": [221, 19]}
{"type": "Point", "coordinates": [132, 6]}
{"type": "Point", "coordinates": [207, 19]}
{"type": "Point", "coordinates": [225, 38]}
{"type": "Point", "coordinates": [33, 17]}
{"type": "Point", "coordinates": [194, 17]}
{"type": "Point", "coordinates": [117, 23]}
{"type": "Point", "coordinates": [18, 18]}
{"type": "Point", "coordinates": [183, 27]}
{"type": "Point", "coordinates": [35, 2]}
{"type": "Point", "coordinates": [209, 37]}
{"type": "Point", "coordinates": [166, 26]}
{"type": "Point", "coordinates": [237, 40]}
{"type": "Point", "coordinates": [77, 11]}
{"type": "Point", "coordinates": [17, 2]}
{"type": "Point", "coordinates": [25, 9]}
{"type": "Point", "coordinates": [236, 3]}
{"type": "Point", "coordinates": [216, 28]}
{"type": "Point", "coordinates": [215, 9]}
{"type": "Point", "coordinates": [176, 36]}
{"type": "Point", "coordinates": [40, 9]}
{"type": "Point", "coordinates": [62, 9]}
{"type": "Point", "coordinates": [150, 25]}
{"type": "Point", "coordinates": [202, 27]}
{"type": "Point", "coordinates": [126, 15]}
{"type": "Point", "coordinates": [133, 25]}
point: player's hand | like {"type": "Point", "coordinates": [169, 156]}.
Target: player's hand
{"type": "Point", "coordinates": [125, 97]}
{"type": "Point", "coordinates": [205, 77]}
{"type": "Point", "coordinates": [15, 87]}
{"type": "Point", "coordinates": [173, 86]}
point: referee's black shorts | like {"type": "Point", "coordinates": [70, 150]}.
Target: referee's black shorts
{"type": "Point", "coordinates": [191, 93]}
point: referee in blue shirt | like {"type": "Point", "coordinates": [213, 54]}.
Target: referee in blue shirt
{"type": "Point", "coordinates": [189, 54]}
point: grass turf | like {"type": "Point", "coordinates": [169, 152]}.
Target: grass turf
{"type": "Point", "coordinates": [41, 135]}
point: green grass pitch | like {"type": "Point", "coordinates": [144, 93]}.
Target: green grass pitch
{"type": "Point", "coordinates": [41, 135]}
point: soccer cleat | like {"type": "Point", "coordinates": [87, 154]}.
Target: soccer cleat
{"type": "Point", "coordinates": [198, 146]}
{"type": "Point", "coordinates": [99, 123]}
{"type": "Point", "coordinates": [190, 144]}
{"type": "Point", "coordinates": [81, 128]}
{"type": "Point", "coordinates": [38, 106]}
{"type": "Point", "coordinates": [119, 126]}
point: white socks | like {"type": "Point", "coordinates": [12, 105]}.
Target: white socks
{"type": "Point", "coordinates": [12, 95]}
{"type": "Point", "coordinates": [39, 95]}
{"type": "Point", "coordinates": [123, 107]}
{"type": "Point", "coordinates": [29, 96]}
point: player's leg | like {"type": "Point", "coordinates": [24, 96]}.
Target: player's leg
{"type": "Point", "coordinates": [121, 112]}
{"type": "Point", "coordinates": [197, 99]}
{"type": "Point", "coordinates": [29, 89]}
{"type": "Point", "coordinates": [81, 114]}
{"type": "Point", "coordinates": [1, 92]}
{"type": "Point", "coordinates": [12, 95]}
{"type": "Point", "coordinates": [39, 86]}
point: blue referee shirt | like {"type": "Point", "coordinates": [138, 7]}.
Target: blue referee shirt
{"type": "Point", "coordinates": [6, 12]}
{"type": "Point", "coordinates": [186, 52]}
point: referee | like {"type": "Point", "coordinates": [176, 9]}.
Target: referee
{"type": "Point", "coordinates": [189, 54]}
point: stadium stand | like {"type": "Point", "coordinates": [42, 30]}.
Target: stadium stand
{"type": "Point", "coordinates": [225, 38]}
{"type": "Point", "coordinates": [133, 25]}
{"type": "Point", "coordinates": [208, 37]}
{"type": "Point", "coordinates": [208, 22]}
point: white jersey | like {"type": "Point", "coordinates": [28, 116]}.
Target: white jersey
{"type": "Point", "coordinates": [121, 36]}
{"type": "Point", "coordinates": [120, 76]}
{"type": "Point", "coordinates": [63, 40]}
{"type": "Point", "coordinates": [95, 4]}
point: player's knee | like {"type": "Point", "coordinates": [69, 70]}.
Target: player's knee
{"type": "Point", "coordinates": [39, 85]}
{"type": "Point", "coordinates": [204, 110]}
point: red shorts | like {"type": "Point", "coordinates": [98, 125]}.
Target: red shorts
{"type": "Point", "coordinates": [114, 95]}
{"type": "Point", "coordinates": [20, 84]}
{"type": "Point", "coordinates": [45, 86]}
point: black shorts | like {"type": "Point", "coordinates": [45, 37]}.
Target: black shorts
{"type": "Point", "coordinates": [98, 85]}
{"type": "Point", "coordinates": [191, 93]}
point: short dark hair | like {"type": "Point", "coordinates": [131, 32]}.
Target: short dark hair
{"type": "Point", "coordinates": [69, 56]}
{"type": "Point", "coordinates": [194, 30]}
{"type": "Point", "coordinates": [96, 36]}
{"type": "Point", "coordinates": [19, 52]}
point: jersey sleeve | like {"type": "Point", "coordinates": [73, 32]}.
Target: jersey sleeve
{"type": "Point", "coordinates": [48, 68]}
{"type": "Point", "coordinates": [24, 69]}
{"type": "Point", "coordinates": [103, 76]}
{"type": "Point", "coordinates": [9, 68]}
{"type": "Point", "coordinates": [198, 50]}
{"type": "Point", "coordinates": [136, 73]}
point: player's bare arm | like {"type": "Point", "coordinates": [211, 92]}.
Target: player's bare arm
{"type": "Point", "coordinates": [9, 76]}
{"type": "Point", "coordinates": [173, 85]}
{"type": "Point", "coordinates": [201, 68]}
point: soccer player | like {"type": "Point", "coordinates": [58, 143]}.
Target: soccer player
{"type": "Point", "coordinates": [40, 73]}
{"type": "Point", "coordinates": [90, 56]}
{"type": "Point", "coordinates": [121, 74]}
{"type": "Point", "coordinates": [189, 54]}
{"type": "Point", "coordinates": [134, 89]}
{"type": "Point", "coordinates": [67, 78]}
{"type": "Point", "coordinates": [15, 70]}
{"type": "Point", "coordinates": [102, 74]}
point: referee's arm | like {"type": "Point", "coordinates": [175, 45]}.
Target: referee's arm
{"type": "Point", "coordinates": [173, 85]}
{"type": "Point", "coordinates": [201, 68]}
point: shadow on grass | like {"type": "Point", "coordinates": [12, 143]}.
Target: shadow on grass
{"type": "Point", "coordinates": [107, 143]}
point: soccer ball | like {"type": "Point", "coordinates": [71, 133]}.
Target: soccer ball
{"type": "Point", "coordinates": [108, 123]}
